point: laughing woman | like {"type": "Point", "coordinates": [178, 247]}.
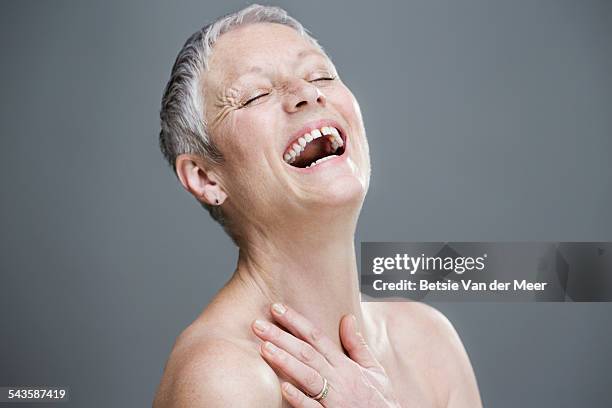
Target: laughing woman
{"type": "Point", "coordinates": [260, 129]}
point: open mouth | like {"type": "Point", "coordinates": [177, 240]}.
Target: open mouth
{"type": "Point", "coordinates": [315, 147]}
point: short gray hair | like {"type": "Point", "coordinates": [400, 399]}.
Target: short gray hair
{"type": "Point", "coordinates": [183, 120]}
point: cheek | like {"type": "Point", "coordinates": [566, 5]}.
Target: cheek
{"type": "Point", "coordinates": [244, 137]}
{"type": "Point", "coordinates": [350, 110]}
{"type": "Point", "coordinates": [348, 107]}
{"type": "Point", "coordinates": [245, 145]}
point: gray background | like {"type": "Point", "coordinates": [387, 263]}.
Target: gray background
{"type": "Point", "coordinates": [488, 120]}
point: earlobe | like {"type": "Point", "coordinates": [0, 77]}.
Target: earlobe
{"type": "Point", "coordinates": [203, 183]}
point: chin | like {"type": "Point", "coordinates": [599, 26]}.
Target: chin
{"type": "Point", "coordinates": [342, 192]}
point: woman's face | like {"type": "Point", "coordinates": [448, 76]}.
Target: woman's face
{"type": "Point", "coordinates": [274, 106]}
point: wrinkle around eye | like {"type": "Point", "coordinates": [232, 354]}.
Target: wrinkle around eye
{"type": "Point", "coordinates": [226, 102]}
{"type": "Point", "coordinates": [222, 113]}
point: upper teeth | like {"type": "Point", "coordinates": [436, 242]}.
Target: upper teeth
{"type": "Point", "coordinates": [300, 144]}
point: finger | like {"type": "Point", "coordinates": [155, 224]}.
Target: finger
{"type": "Point", "coordinates": [306, 377]}
{"type": "Point", "coordinates": [355, 344]}
{"type": "Point", "coordinates": [305, 330]}
{"type": "Point", "coordinates": [297, 398]}
{"type": "Point", "coordinates": [299, 349]}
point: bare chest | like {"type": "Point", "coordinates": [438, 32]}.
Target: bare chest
{"type": "Point", "coordinates": [412, 387]}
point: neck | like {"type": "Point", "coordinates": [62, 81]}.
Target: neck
{"type": "Point", "coordinates": [313, 271]}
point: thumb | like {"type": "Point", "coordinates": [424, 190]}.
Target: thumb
{"type": "Point", "coordinates": [355, 344]}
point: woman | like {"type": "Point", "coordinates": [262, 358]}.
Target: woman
{"type": "Point", "coordinates": [258, 126]}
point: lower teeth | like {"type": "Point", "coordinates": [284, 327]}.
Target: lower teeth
{"type": "Point", "coordinates": [321, 161]}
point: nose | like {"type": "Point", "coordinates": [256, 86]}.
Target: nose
{"type": "Point", "coordinates": [302, 94]}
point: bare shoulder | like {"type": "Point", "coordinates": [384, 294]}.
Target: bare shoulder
{"type": "Point", "coordinates": [422, 336]}
{"type": "Point", "coordinates": [208, 371]}
{"type": "Point", "coordinates": [404, 318]}
{"type": "Point", "coordinates": [413, 329]}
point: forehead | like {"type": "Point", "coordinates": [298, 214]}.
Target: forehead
{"type": "Point", "coordinates": [253, 46]}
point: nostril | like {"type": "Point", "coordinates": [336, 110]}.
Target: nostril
{"type": "Point", "coordinates": [320, 98]}
{"type": "Point", "coordinates": [300, 104]}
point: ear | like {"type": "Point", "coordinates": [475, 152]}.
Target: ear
{"type": "Point", "coordinates": [199, 179]}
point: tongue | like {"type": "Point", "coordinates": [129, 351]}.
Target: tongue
{"type": "Point", "coordinates": [314, 151]}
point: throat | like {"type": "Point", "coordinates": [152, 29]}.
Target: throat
{"type": "Point", "coordinates": [296, 272]}
{"type": "Point", "coordinates": [309, 267]}
{"type": "Point", "coordinates": [323, 285]}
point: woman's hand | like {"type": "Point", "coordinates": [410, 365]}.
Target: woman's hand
{"type": "Point", "coordinates": [311, 360]}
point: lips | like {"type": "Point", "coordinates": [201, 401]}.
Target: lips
{"type": "Point", "coordinates": [314, 145]}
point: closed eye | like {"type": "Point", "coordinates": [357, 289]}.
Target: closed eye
{"type": "Point", "coordinates": [323, 79]}
{"type": "Point", "coordinates": [253, 99]}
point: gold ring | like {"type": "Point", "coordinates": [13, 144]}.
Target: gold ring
{"type": "Point", "coordinates": [323, 392]}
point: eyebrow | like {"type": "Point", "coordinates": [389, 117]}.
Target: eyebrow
{"type": "Point", "coordinates": [302, 54]}
{"type": "Point", "coordinates": [255, 69]}
{"type": "Point", "coordinates": [305, 53]}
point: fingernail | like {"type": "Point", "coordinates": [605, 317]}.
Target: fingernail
{"type": "Point", "coordinates": [355, 325]}
{"type": "Point", "coordinates": [270, 347]}
{"type": "Point", "coordinates": [279, 308]}
{"type": "Point", "coordinates": [260, 325]}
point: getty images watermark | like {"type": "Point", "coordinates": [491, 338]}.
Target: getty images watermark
{"type": "Point", "coordinates": [477, 271]}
